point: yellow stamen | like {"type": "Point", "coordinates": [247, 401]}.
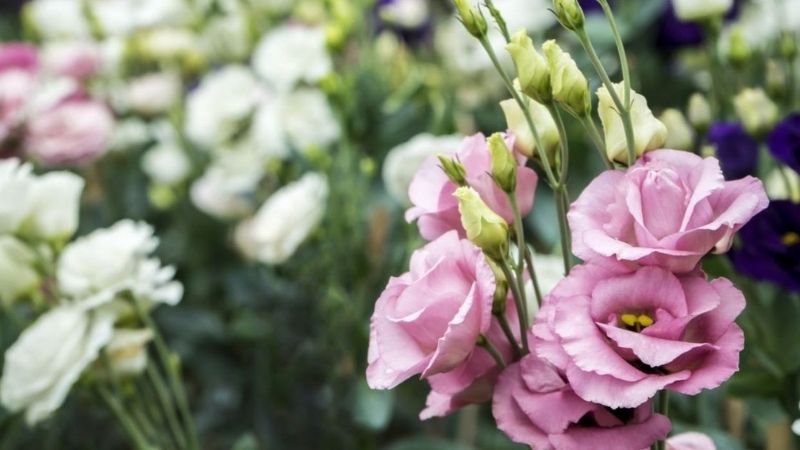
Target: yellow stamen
{"type": "Point", "coordinates": [645, 320]}
{"type": "Point", "coordinates": [791, 238]}
{"type": "Point", "coordinates": [629, 319]}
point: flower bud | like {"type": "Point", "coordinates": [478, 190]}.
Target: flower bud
{"type": "Point", "coordinates": [739, 51]}
{"type": "Point", "coordinates": [472, 18]}
{"type": "Point", "coordinates": [756, 111]}
{"type": "Point", "coordinates": [501, 289]}
{"type": "Point", "coordinates": [570, 14]}
{"type": "Point", "coordinates": [699, 10]}
{"type": "Point", "coordinates": [776, 79]}
{"type": "Point", "coordinates": [532, 68]}
{"type": "Point", "coordinates": [454, 170]}
{"type": "Point", "coordinates": [18, 275]}
{"type": "Point", "coordinates": [523, 137]}
{"type": "Point", "coordinates": [649, 133]}
{"type": "Point", "coordinates": [485, 228]}
{"type": "Point", "coordinates": [680, 134]}
{"type": "Point", "coordinates": [570, 87]}
{"type": "Point", "coordinates": [699, 112]}
{"type": "Point", "coordinates": [504, 166]}
{"type": "Point", "coordinates": [788, 45]}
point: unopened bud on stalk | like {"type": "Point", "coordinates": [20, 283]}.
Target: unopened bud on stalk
{"type": "Point", "coordinates": [756, 111]}
{"type": "Point", "coordinates": [472, 18]}
{"type": "Point", "coordinates": [680, 134]}
{"type": "Point", "coordinates": [523, 137]}
{"type": "Point", "coordinates": [501, 289]}
{"type": "Point", "coordinates": [699, 112]}
{"type": "Point", "coordinates": [504, 166]}
{"type": "Point", "coordinates": [570, 14]}
{"type": "Point", "coordinates": [649, 133]}
{"type": "Point", "coordinates": [776, 79]}
{"type": "Point", "coordinates": [485, 228]}
{"type": "Point", "coordinates": [533, 70]}
{"type": "Point", "coordinates": [570, 86]}
{"type": "Point", "coordinates": [788, 45]}
{"type": "Point", "coordinates": [453, 169]}
{"type": "Point", "coordinates": [739, 51]}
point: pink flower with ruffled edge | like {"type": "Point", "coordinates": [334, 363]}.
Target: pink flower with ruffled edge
{"type": "Point", "coordinates": [431, 191]}
{"type": "Point", "coordinates": [621, 336]}
{"type": "Point", "coordinates": [428, 320]}
{"type": "Point", "coordinates": [534, 405]}
{"type": "Point", "coordinates": [670, 209]}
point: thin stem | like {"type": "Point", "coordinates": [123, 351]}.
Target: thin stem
{"type": "Point", "coordinates": [518, 301]}
{"type": "Point", "coordinates": [564, 142]}
{"type": "Point", "coordinates": [492, 350]}
{"type": "Point", "coordinates": [597, 138]}
{"type": "Point", "coordinates": [133, 431]}
{"type": "Point", "coordinates": [561, 204]}
{"type": "Point", "coordinates": [504, 325]}
{"type": "Point", "coordinates": [532, 273]}
{"type": "Point", "coordinates": [520, 233]}
{"type": "Point", "coordinates": [623, 58]}
{"type": "Point", "coordinates": [662, 407]}
{"type": "Point", "coordinates": [167, 406]}
{"type": "Point", "coordinates": [717, 79]}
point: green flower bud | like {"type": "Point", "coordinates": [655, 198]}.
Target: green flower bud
{"type": "Point", "coordinates": [485, 228]}
{"type": "Point", "coordinates": [454, 170]}
{"type": "Point", "coordinates": [788, 45]}
{"type": "Point", "coordinates": [699, 113]}
{"type": "Point", "coordinates": [776, 79]}
{"type": "Point", "coordinates": [501, 289]}
{"type": "Point", "coordinates": [756, 111]}
{"type": "Point", "coordinates": [523, 137]}
{"type": "Point", "coordinates": [649, 133]}
{"type": "Point", "coordinates": [504, 166]}
{"type": "Point", "coordinates": [680, 134]}
{"type": "Point", "coordinates": [533, 71]}
{"type": "Point", "coordinates": [739, 51]}
{"type": "Point", "coordinates": [570, 86]}
{"type": "Point", "coordinates": [472, 18]}
{"type": "Point", "coordinates": [570, 14]}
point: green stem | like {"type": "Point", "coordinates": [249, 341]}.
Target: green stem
{"type": "Point", "coordinates": [623, 58]}
{"type": "Point", "coordinates": [718, 91]}
{"type": "Point", "coordinates": [521, 246]}
{"type": "Point", "coordinates": [532, 273]}
{"type": "Point", "coordinates": [504, 325]}
{"type": "Point", "coordinates": [492, 350]}
{"type": "Point", "coordinates": [133, 431]}
{"type": "Point", "coordinates": [662, 407]}
{"type": "Point", "coordinates": [564, 141]}
{"type": "Point", "coordinates": [519, 300]}
{"type": "Point", "coordinates": [562, 202]}
{"type": "Point", "coordinates": [167, 405]}
{"type": "Point", "coordinates": [597, 139]}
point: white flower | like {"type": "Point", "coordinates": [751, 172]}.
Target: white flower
{"type": "Point", "coordinates": [680, 134]}
{"type": "Point", "coordinates": [267, 132]}
{"type": "Point", "coordinates": [756, 110]}
{"type": "Point", "coordinates": [403, 161]}
{"type": "Point", "coordinates": [49, 357]}
{"type": "Point", "coordinates": [153, 93]}
{"type": "Point", "coordinates": [220, 106]}
{"type": "Point", "coordinates": [523, 136]}
{"type": "Point", "coordinates": [17, 273]}
{"type": "Point", "coordinates": [783, 184]}
{"type": "Point", "coordinates": [166, 163]}
{"type": "Point", "coordinates": [409, 14]}
{"type": "Point", "coordinates": [287, 218]}
{"type": "Point", "coordinates": [122, 17]}
{"type": "Point", "coordinates": [649, 132]}
{"type": "Point", "coordinates": [227, 38]}
{"type": "Point", "coordinates": [57, 19]}
{"type": "Point", "coordinates": [94, 269]}
{"type": "Point", "coordinates": [55, 206]}
{"type": "Point", "coordinates": [127, 350]}
{"type": "Point", "coordinates": [129, 133]}
{"type": "Point", "coordinates": [167, 44]}
{"type": "Point", "coordinates": [308, 120]}
{"type": "Point", "coordinates": [290, 54]}
{"type": "Point", "coordinates": [696, 10]}
{"type": "Point", "coordinates": [226, 188]}
{"type": "Point", "coordinates": [16, 193]}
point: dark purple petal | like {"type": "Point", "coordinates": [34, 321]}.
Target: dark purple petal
{"type": "Point", "coordinates": [737, 151]}
{"type": "Point", "coordinates": [784, 141]}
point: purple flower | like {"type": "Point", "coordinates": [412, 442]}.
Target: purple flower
{"type": "Point", "coordinates": [674, 34]}
{"type": "Point", "coordinates": [737, 151]}
{"type": "Point", "coordinates": [784, 141]}
{"type": "Point", "coordinates": [410, 20]}
{"type": "Point", "coordinates": [770, 246]}
{"type": "Point", "coordinates": [590, 5]}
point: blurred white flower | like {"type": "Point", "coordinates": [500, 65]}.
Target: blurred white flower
{"type": "Point", "coordinates": [308, 119]}
{"type": "Point", "coordinates": [54, 206]}
{"type": "Point", "coordinates": [95, 268]}
{"type": "Point", "coordinates": [267, 132]}
{"type": "Point", "coordinates": [286, 219]}
{"type": "Point", "coordinates": [756, 110]}
{"type": "Point", "coordinates": [166, 163]}
{"type": "Point", "coordinates": [762, 20]}
{"type": "Point", "coordinates": [783, 184]}
{"type": "Point", "coordinates": [680, 134]}
{"type": "Point", "coordinates": [49, 357]}
{"type": "Point", "coordinates": [403, 161]}
{"type": "Point", "coordinates": [127, 350]}
{"type": "Point", "coordinates": [122, 17]}
{"type": "Point", "coordinates": [58, 19]}
{"type": "Point", "coordinates": [694, 10]}
{"type": "Point", "coordinates": [226, 188]}
{"type": "Point", "coordinates": [129, 133]}
{"type": "Point", "coordinates": [16, 193]}
{"type": "Point", "coordinates": [227, 38]}
{"type": "Point", "coordinates": [167, 44]}
{"type": "Point", "coordinates": [154, 93]}
{"type": "Point", "coordinates": [18, 275]}
{"type": "Point", "coordinates": [291, 54]}
{"type": "Point", "coordinates": [409, 14]}
{"type": "Point", "coordinates": [221, 105]}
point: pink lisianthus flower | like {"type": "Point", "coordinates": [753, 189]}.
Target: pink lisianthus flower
{"type": "Point", "coordinates": [19, 56]}
{"type": "Point", "coordinates": [428, 320]}
{"type": "Point", "coordinates": [72, 132]}
{"type": "Point", "coordinates": [473, 380]}
{"type": "Point", "coordinates": [669, 209]}
{"type": "Point", "coordinates": [74, 59]}
{"type": "Point", "coordinates": [622, 336]}
{"type": "Point", "coordinates": [535, 405]}
{"type": "Point", "coordinates": [431, 191]}
{"type": "Point", "coordinates": [16, 87]}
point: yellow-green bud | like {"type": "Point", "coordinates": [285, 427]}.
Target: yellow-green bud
{"type": "Point", "coordinates": [485, 228]}
{"type": "Point", "coordinates": [649, 133]}
{"type": "Point", "coordinates": [739, 51]}
{"type": "Point", "coordinates": [533, 71]}
{"type": "Point", "coordinates": [570, 86]}
{"type": "Point", "coordinates": [453, 169]}
{"type": "Point", "coordinates": [523, 137]}
{"type": "Point", "coordinates": [756, 111]}
{"type": "Point", "coordinates": [472, 18]}
{"type": "Point", "coordinates": [776, 79]}
{"type": "Point", "coordinates": [788, 45]}
{"type": "Point", "coordinates": [699, 112]}
{"type": "Point", "coordinates": [570, 14]}
{"type": "Point", "coordinates": [680, 134]}
{"type": "Point", "coordinates": [501, 289]}
{"type": "Point", "coordinates": [504, 166]}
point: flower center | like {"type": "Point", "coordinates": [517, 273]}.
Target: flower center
{"type": "Point", "coordinates": [791, 238]}
{"type": "Point", "coordinates": [636, 322]}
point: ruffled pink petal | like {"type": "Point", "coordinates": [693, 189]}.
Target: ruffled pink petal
{"type": "Point", "coordinates": [510, 418]}
{"type": "Point", "coordinates": [629, 437]}
{"type": "Point", "coordinates": [584, 214]}
{"type": "Point", "coordinates": [634, 293]}
{"type": "Point", "coordinates": [716, 367]}
{"type": "Point", "coordinates": [652, 351]}
{"type": "Point", "coordinates": [616, 393]}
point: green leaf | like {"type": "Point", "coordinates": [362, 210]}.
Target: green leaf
{"type": "Point", "coordinates": [372, 409]}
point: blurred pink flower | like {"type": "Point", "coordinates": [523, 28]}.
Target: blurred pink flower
{"type": "Point", "coordinates": [428, 320]}
{"type": "Point", "coordinates": [431, 191]}
{"type": "Point", "coordinates": [75, 59]}
{"type": "Point", "coordinates": [534, 405]}
{"type": "Point", "coordinates": [19, 56]}
{"type": "Point", "coordinates": [669, 210]}
{"type": "Point", "coordinates": [73, 132]}
{"type": "Point", "coordinates": [16, 87]}
{"type": "Point", "coordinates": [619, 340]}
